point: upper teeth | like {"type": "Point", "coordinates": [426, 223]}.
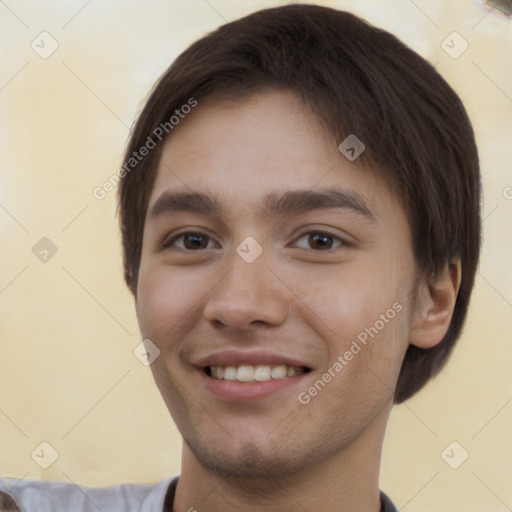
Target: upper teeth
{"type": "Point", "coordinates": [248, 373]}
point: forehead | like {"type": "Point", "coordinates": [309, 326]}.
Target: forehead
{"type": "Point", "coordinates": [267, 127]}
{"type": "Point", "coordinates": [244, 151]}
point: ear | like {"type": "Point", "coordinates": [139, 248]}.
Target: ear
{"type": "Point", "coordinates": [434, 307]}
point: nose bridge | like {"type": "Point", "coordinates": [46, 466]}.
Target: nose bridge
{"type": "Point", "coordinates": [249, 292]}
{"type": "Point", "coordinates": [250, 269]}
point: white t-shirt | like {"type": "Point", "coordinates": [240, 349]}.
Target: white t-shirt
{"type": "Point", "coordinates": [39, 496]}
{"type": "Point", "coordinates": [36, 496]}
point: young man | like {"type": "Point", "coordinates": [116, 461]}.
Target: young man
{"type": "Point", "coordinates": [301, 229]}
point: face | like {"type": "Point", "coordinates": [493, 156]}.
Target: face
{"type": "Point", "coordinates": [281, 301]}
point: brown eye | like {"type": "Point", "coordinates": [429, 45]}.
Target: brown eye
{"type": "Point", "coordinates": [192, 241]}
{"type": "Point", "coordinates": [322, 240]}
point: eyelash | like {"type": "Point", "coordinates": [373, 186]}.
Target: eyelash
{"type": "Point", "coordinates": [168, 243]}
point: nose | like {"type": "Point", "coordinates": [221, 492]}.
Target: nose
{"type": "Point", "coordinates": [249, 294]}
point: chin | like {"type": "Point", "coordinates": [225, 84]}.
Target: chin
{"type": "Point", "coordinates": [247, 460]}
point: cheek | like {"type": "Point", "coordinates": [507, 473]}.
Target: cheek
{"type": "Point", "coordinates": [364, 313]}
{"type": "Point", "coordinates": [352, 298]}
{"type": "Point", "coordinates": [165, 299]}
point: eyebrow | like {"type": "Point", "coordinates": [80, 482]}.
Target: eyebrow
{"type": "Point", "coordinates": [274, 204]}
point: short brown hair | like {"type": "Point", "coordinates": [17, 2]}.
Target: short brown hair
{"type": "Point", "coordinates": [358, 79]}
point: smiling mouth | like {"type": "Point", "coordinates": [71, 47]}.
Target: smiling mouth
{"type": "Point", "coordinates": [256, 373]}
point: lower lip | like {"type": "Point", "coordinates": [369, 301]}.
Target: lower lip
{"type": "Point", "coordinates": [248, 391]}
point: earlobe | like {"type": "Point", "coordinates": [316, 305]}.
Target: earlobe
{"type": "Point", "coordinates": [435, 304]}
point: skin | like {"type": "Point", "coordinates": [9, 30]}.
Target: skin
{"type": "Point", "coordinates": [298, 297]}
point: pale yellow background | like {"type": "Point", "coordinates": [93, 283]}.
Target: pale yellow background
{"type": "Point", "coordinates": [68, 328]}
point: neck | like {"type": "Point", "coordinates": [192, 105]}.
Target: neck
{"type": "Point", "coordinates": [348, 480]}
